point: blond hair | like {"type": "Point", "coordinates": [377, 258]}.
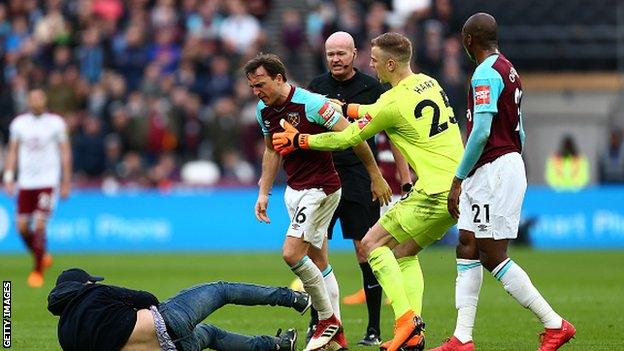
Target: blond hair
{"type": "Point", "coordinates": [394, 45]}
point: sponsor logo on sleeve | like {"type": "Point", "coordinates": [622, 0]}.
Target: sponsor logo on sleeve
{"type": "Point", "coordinates": [327, 111]}
{"type": "Point", "coordinates": [363, 122]}
{"type": "Point", "coordinates": [482, 95]}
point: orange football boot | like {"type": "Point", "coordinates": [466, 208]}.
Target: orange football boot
{"type": "Point", "coordinates": [356, 298]}
{"type": "Point", "coordinates": [35, 279]}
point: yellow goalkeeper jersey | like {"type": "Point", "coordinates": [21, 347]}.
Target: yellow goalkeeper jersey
{"type": "Point", "coordinates": [418, 119]}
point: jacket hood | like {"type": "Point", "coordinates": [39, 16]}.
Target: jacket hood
{"type": "Point", "coordinates": [62, 294]}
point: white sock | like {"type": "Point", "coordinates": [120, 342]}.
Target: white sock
{"type": "Point", "coordinates": [467, 287]}
{"type": "Point", "coordinates": [314, 284]}
{"type": "Point", "coordinates": [333, 291]}
{"type": "Point", "coordinates": [518, 284]}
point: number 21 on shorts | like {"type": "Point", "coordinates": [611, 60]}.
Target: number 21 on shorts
{"type": "Point", "coordinates": [481, 213]}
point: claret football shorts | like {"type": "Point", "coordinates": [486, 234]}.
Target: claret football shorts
{"type": "Point", "coordinates": [492, 197]}
{"type": "Point", "coordinates": [35, 202]}
{"type": "Point", "coordinates": [310, 212]}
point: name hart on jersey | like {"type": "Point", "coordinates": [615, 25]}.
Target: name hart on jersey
{"type": "Point", "coordinates": [420, 88]}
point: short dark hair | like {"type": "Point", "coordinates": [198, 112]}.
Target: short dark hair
{"type": "Point", "coordinates": [395, 44]}
{"type": "Point", "coordinates": [271, 63]}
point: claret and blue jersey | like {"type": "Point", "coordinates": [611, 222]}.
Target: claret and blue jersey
{"type": "Point", "coordinates": [312, 114]}
{"type": "Point", "coordinates": [496, 89]}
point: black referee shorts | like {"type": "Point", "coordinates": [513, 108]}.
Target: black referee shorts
{"type": "Point", "coordinates": [355, 219]}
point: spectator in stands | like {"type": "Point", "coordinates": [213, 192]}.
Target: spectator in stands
{"type": "Point", "coordinates": [235, 169]}
{"type": "Point", "coordinates": [52, 28]}
{"type": "Point", "coordinates": [567, 169]}
{"type": "Point", "coordinates": [138, 122]}
{"type": "Point", "coordinates": [404, 10]}
{"type": "Point", "coordinates": [222, 126]}
{"type": "Point", "coordinates": [452, 78]}
{"type": "Point", "coordinates": [17, 35]}
{"type": "Point", "coordinates": [165, 52]}
{"type": "Point", "coordinates": [130, 171]}
{"type": "Point", "coordinates": [88, 148]}
{"type": "Point", "coordinates": [107, 58]}
{"type": "Point", "coordinates": [61, 58]}
{"type": "Point", "coordinates": [132, 57]}
{"type": "Point", "coordinates": [113, 152]}
{"type": "Point", "coordinates": [292, 36]}
{"type": "Point", "coordinates": [164, 172]}
{"type": "Point", "coordinates": [221, 82]}
{"type": "Point", "coordinates": [5, 25]}
{"type": "Point", "coordinates": [203, 22]}
{"type": "Point", "coordinates": [612, 159]}
{"type": "Point", "coordinates": [430, 54]}
{"type": "Point", "coordinates": [240, 32]}
{"type": "Point", "coordinates": [91, 55]}
{"type": "Point", "coordinates": [164, 14]}
{"type": "Point", "coordinates": [192, 129]}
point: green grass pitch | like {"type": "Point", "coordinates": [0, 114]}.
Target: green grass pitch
{"type": "Point", "coordinates": [585, 287]}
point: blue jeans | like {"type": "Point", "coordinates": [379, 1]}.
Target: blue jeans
{"type": "Point", "coordinates": [184, 313]}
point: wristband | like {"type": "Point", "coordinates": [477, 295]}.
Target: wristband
{"type": "Point", "coordinates": [352, 110]}
{"type": "Point", "coordinates": [303, 141]}
{"type": "Point", "coordinates": [300, 141]}
{"type": "Point", "coordinates": [8, 176]}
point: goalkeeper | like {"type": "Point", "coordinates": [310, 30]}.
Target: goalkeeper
{"type": "Point", "coordinates": [416, 115]}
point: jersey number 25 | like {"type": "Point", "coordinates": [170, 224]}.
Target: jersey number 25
{"type": "Point", "coordinates": [436, 126]}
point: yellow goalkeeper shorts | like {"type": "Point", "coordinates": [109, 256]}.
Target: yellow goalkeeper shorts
{"type": "Point", "coordinates": [421, 217]}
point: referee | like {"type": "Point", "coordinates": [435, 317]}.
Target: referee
{"type": "Point", "coordinates": [356, 211]}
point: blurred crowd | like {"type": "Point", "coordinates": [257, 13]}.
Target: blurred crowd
{"type": "Point", "coordinates": [150, 87]}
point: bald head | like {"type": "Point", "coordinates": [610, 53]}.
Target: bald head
{"type": "Point", "coordinates": [340, 53]}
{"type": "Point", "coordinates": [341, 39]}
{"type": "Point", "coordinates": [482, 28]}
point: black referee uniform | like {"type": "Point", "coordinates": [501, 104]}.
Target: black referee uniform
{"type": "Point", "coordinates": [356, 211]}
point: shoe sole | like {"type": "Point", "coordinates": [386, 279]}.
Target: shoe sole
{"type": "Point", "coordinates": [334, 346]}
{"type": "Point", "coordinates": [419, 347]}
{"type": "Point", "coordinates": [417, 329]}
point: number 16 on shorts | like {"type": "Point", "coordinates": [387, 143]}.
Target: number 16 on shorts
{"type": "Point", "coordinates": [298, 218]}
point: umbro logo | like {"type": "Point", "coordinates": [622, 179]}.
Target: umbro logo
{"type": "Point", "coordinates": [482, 227]}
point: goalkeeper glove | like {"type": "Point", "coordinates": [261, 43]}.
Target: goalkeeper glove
{"type": "Point", "coordinates": [289, 140]}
